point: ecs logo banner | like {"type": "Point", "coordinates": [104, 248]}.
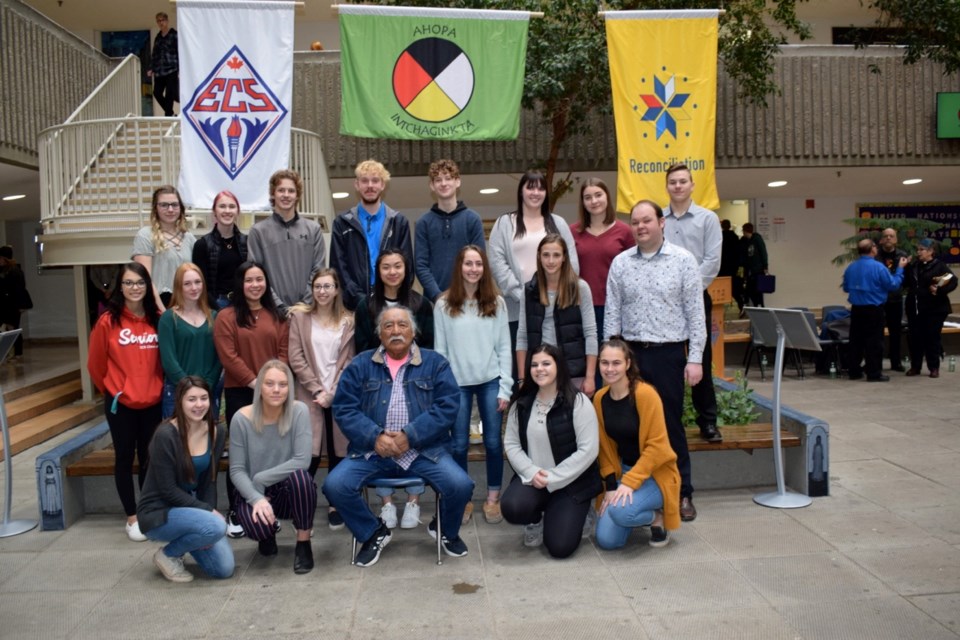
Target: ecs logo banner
{"type": "Point", "coordinates": [234, 111]}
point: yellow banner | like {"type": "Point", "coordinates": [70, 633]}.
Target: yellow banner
{"type": "Point", "coordinates": [663, 73]}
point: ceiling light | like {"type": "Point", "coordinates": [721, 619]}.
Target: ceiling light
{"type": "Point", "coordinates": [489, 191]}
{"type": "Point", "coordinates": [777, 183]}
{"type": "Point", "coordinates": [16, 197]}
{"type": "Point", "coordinates": [340, 195]}
{"type": "Point", "coordinates": [913, 181]}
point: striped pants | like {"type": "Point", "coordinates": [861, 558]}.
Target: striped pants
{"type": "Point", "coordinates": [295, 497]}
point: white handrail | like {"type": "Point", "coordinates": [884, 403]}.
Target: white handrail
{"type": "Point", "coordinates": [117, 96]}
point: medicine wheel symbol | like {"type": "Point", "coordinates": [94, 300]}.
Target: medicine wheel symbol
{"type": "Point", "coordinates": [433, 80]}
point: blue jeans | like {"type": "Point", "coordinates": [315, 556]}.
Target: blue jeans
{"type": "Point", "coordinates": [169, 396]}
{"type": "Point", "coordinates": [202, 534]}
{"type": "Point", "coordinates": [614, 526]}
{"type": "Point", "coordinates": [486, 394]}
{"type": "Point", "coordinates": [344, 489]}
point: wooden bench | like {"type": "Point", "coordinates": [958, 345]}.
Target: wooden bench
{"type": "Point", "coordinates": [745, 437]}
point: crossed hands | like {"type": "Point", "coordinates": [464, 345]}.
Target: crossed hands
{"type": "Point", "coordinates": [391, 444]}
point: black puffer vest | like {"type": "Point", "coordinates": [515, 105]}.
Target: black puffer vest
{"type": "Point", "coordinates": [212, 241]}
{"type": "Point", "coordinates": [563, 443]}
{"type": "Point", "coordinates": [568, 325]}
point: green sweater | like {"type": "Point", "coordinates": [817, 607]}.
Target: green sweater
{"type": "Point", "coordinates": [187, 350]}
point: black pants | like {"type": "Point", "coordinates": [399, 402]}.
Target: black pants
{"type": "Point", "coordinates": [893, 317]}
{"type": "Point", "coordinates": [866, 340]}
{"type": "Point", "coordinates": [166, 89]}
{"type": "Point", "coordinates": [131, 430]}
{"type": "Point", "coordinates": [234, 399]}
{"type": "Point", "coordinates": [662, 366]}
{"type": "Point", "coordinates": [753, 294]}
{"type": "Point", "coordinates": [924, 339]}
{"type": "Point", "coordinates": [332, 458]}
{"type": "Point", "coordinates": [563, 517]}
{"type": "Point", "coordinates": [703, 394]}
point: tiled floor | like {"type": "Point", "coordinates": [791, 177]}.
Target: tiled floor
{"type": "Point", "coordinates": [878, 559]}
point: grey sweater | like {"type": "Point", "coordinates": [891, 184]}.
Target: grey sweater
{"type": "Point", "coordinates": [504, 265]}
{"type": "Point", "coordinates": [260, 460]}
{"type": "Point", "coordinates": [292, 252]}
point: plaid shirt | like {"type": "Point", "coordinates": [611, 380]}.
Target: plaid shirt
{"type": "Point", "coordinates": [165, 58]}
{"type": "Point", "coordinates": [398, 416]}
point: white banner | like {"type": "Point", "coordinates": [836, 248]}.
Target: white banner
{"type": "Point", "coordinates": [236, 84]}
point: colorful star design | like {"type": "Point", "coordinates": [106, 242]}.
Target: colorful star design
{"type": "Point", "coordinates": [665, 106]}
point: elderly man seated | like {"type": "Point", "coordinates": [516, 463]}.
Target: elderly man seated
{"type": "Point", "coordinates": [396, 404]}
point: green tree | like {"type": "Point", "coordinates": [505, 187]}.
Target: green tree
{"type": "Point", "coordinates": [909, 232]}
{"type": "Point", "coordinates": [927, 28]}
{"type": "Point", "coordinates": [567, 76]}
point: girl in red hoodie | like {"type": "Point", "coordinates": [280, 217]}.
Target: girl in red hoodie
{"type": "Point", "coordinates": [124, 363]}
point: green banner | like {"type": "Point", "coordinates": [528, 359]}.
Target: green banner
{"type": "Point", "coordinates": [431, 74]}
{"type": "Point", "coordinates": [948, 115]}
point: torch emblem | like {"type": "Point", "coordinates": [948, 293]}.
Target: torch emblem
{"type": "Point", "coordinates": [234, 112]}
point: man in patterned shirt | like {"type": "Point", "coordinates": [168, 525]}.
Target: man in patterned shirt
{"type": "Point", "coordinates": [655, 301]}
{"type": "Point", "coordinates": [396, 405]}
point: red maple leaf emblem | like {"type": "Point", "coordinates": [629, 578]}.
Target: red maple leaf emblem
{"type": "Point", "coordinates": [234, 63]}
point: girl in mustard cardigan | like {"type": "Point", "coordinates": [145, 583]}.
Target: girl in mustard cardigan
{"type": "Point", "coordinates": [636, 462]}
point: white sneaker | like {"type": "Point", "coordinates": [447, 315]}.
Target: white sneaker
{"type": "Point", "coordinates": [388, 513]}
{"type": "Point", "coordinates": [171, 568]}
{"type": "Point", "coordinates": [133, 532]}
{"type": "Point", "coordinates": [234, 530]}
{"type": "Point", "coordinates": [411, 516]}
{"type": "Point", "coordinates": [533, 534]}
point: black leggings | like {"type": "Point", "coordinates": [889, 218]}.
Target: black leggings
{"type": "Point", "coordinates": [131, 430]}
{"type": "Point", "coordinates": [563, 518]}
{"type": "Point", "coordinates": [332, 458]}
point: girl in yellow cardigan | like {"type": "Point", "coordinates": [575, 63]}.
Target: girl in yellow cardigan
{"type": "Point", "coordinates": [636, 462]}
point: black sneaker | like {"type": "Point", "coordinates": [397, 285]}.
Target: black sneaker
{"type": "Point", "coordinates": [456, 547]}
{"type": "Point", "coordinates": [659, 537]}
{"type": "Point", "coordinates": [370, 551]}
{"type": "Point", "coordinates": [453, 547]}
{"type": "Point", "coordinates": [334, 520]}
{"type": "Point", "coordinates": [268, 546]}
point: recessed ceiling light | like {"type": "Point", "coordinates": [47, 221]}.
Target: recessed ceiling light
{"type": "Point", "coordinates": [340, 195]}
{"type": "Point", "coordinates": [777, 183]}
{"type": "Point", "coordinates": [913, 181]}
{"type": "Point", "coordinates": [489, 191]}
{"type": "Point", "coordinates": [16, 197]}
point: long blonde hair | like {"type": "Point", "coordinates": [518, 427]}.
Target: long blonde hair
{"type": "Point", "coordinates": [159, 244]}
{"type": "Point", "coordinates": [286, 413]}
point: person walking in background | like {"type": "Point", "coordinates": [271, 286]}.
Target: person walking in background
{"type": "Point", "coordinates": [165, 66]}
{"type": "Point", "coordinates": [165, 243]}
{"type": "Point", "coordinates": [928, 281]}
{"type": "Point", "coordinates": [753, 260]}
{"type": "Point", "coordinates": [443, 230]}
{"type": "Point", "coordinates": [889, 256]}
{"type": "Point", "coordinates": [14, 297]}
{"type": "Point", "coordinates": [730, 261]}
{"type": "Point", "coordinates": [124, 364]}
{"type": "Point", "coordinates": [219, 252]}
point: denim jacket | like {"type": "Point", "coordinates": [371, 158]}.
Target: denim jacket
{"type": "Point", "coordinates": [363, 396]}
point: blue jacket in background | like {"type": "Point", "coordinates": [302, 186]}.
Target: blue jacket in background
{"type": "Point", "coordinates": [867, 281]}
{"type": "Point", "coordinates": [363, 397]}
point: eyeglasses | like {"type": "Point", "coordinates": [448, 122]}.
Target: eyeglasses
{"type": "Point", "coordinates": [134, 284]}
{"type": "Point", "coordinates": [324, 287]}
{"type": "Point", "coordinates": [172, 206]}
